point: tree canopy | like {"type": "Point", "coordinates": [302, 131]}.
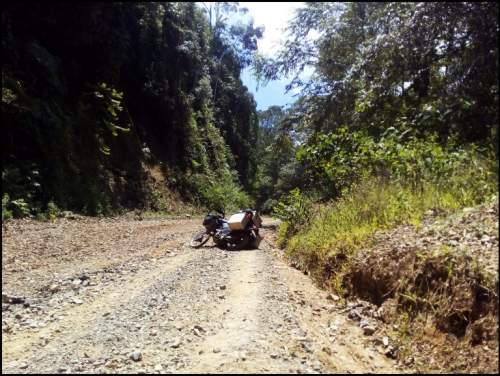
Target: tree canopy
{"type": "Point", "coordinates": [93, 91]}
{"type": "Point", "coordinates": [97, 95]}
{"type": "Point", "coordinates": [423, 69]}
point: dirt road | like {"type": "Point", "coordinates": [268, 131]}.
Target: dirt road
{"type": "Point", "coordinates": [119, 295]}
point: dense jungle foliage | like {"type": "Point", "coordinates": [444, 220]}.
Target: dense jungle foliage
{"type": "Point", "coordinates": [395, 86]}
{"type": "Point", "coordinates": [94, 94]}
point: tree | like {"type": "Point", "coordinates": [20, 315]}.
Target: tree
{"type": "Point", "coordinates": [127, 77]}
{"type": "Point", "coordinates": [428, 66]}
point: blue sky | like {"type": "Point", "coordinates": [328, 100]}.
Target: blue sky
{"type": "Point", "coordinates": [271, 94]}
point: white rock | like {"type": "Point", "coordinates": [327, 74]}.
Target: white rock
{"type": "Point", "coordinates": [136, 356]}
{"type": "Point", "coordinates": [363, 323]}
{"type": "Point", "coordinates": [333, 297]}
{"type": "Point", "coordinates": [385, 341]}
{"type": "Point", "coordinates": [176, 343]}
{"type": "Point", "coordinates": [54, 288]}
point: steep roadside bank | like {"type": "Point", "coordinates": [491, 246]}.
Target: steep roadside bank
{"type": "Point", "coordinates": [431, 291]}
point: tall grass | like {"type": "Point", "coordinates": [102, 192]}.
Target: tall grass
{"type": "Point", "coordinates": [340, 228]}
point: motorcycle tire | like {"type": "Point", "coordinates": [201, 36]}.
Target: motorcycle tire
{"type": "Point", "coordinates": [221, 243]}
{"type": "Point", "coordinates": [199, 239]}
{"type": "Point", "coordinates": [239, 244]}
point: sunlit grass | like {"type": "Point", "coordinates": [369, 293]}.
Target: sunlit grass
{"type": "Point", "coordinates": [342, 227]}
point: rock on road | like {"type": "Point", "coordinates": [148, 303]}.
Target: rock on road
{"type": "Point", "coordinates": [125, 296]}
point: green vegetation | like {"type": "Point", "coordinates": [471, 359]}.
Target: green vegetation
{"type": "Point", "coordinates": [128, 87]}
{"type": "Point", "coordinates": [222, 193]}
{"type": "Point", "coordinates": [6, 213]}
{"type": "Point", "coordinates": [416, 81]}
{"type": "Point", "coordinates": [399, 117]}
{"type": "Point", "coordinates": [381, 184]}
{"type": "Point", "coordinates": [295, 211]}
{"type": "Point", "coordinates": [402, 95]}
{"type": "Point", "coordinates": [278, 171]}
{"type": "Point", "coordinates": [52, 211]}
{"type": "Point", "coordinates": [340, 228]}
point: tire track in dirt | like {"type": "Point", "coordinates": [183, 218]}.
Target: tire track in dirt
{"type": "Point", "coordinates": [227, 350]}
{"type": "Point", "coordinates": [34, 253]}
{"type": "Point", "coordinates": [86, 320]}
{"type": "Point", "coordinates": [196, 310]}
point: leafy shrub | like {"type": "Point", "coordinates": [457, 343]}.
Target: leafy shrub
{"type": "Point", "coordinates": [294, 210]}
{"type": "Point", "coordinates": [157, 201]}
{"type": "Point", "coordinates": [217, 192]}
{"type": "Point", "coordinates": [108, 106]}
{"type": "Point", "coordinates": [230, 197]}
{"type": "Point", "coordinates": [338, 160]}
{"type": "Point", "coordinates": [52, 211]}
{"type": "Point", "coordinates": [6, 213]}
{"type": "Point", "coordinates": [20, 208]}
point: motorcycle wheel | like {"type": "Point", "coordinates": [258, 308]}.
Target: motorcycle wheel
{"type": "Point", "coordinates": [199, 239]}
{"type": "Point", "coordinates": [221, 243]}
{"type": "Point", "coordinates": [239, 243]}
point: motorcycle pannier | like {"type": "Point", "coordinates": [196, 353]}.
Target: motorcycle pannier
{"type": "Point", "coordinates": [238, 221]}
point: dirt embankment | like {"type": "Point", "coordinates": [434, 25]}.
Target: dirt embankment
{"type": "Point", "coordinates": [436, 288]}
{"type": "Point", "coordinates": [119, 295]}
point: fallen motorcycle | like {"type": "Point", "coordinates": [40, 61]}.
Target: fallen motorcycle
{"type": "Point", "coordinates": [240, 231]}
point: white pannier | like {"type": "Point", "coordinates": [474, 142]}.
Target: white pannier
{"type": "Point", "coordinates": [239, 221]}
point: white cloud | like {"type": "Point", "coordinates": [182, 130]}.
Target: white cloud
{"type": "Point", "coordinates": [274, 16]}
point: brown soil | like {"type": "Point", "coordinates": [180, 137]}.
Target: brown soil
{"type": "Point", "coordinates": [83, 295]}
{"type": "Point", "coordinates": [438, 285]}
